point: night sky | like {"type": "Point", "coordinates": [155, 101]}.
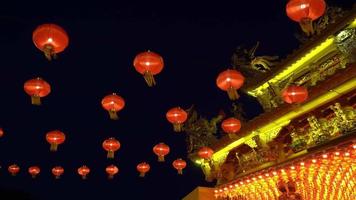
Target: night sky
{"type": "Point", "coordinates": [196, 42]}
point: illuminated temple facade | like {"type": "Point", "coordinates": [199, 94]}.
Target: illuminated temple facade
{"type": "Point", "coordinates": [303, 151]}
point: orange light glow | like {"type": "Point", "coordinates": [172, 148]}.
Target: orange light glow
{"type": "Point", "coordinates": [328, 175]}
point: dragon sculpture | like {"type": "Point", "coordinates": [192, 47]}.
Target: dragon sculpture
{"type": "Point", "coordinates": [245, 61]}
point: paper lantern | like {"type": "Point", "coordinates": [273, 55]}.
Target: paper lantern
{"type": "Point", "coordinates": [230, 81]}
{"type": "Point", "coordinates": [37, 88]}
{"type": "Point", "coordinates": [231, 126]}
{"type": "Point", "coordinates": [148, 64]}
{"type": "Point", "coordinates": [305, 12]}
{"type": "Point", "coordinates": [83, 171]}
{"type": "Point", "coordinates": [161, 150]}
{"type": "Point", "coordinates": [55, 138]}
{"type": "Point", "coordinates": [113, 103]}
{"type": "Point", "coordinates": [34, 171]}
{"type": "Point", "coordinates": [179, 165]}
{"type": "Point", "coordinates": [205, 152]}
{"type": "Point", "coordinates": [295, 94]}
{"type": "Point", "coordinates": [111, 145]}
{"type": "Point", "coordinates": [50, 39]}
{"type": "Point", "coordinates": [143, 168]}
{"type": "Point", "coordinates": [13, 169]}
{"type": "Point", "coordinates": [111, 170]}
{"type": "Point", "coordinates": [177, 117]}
{"type": "Point", "coordinates": [57, 171]}
{"type": "Point", "coordinates": [1, 132]}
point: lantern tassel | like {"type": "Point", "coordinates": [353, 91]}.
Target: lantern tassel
{"type": "Point", "coordinates": [84, 177]}
{"type": "Point", "coordinates": [35, 100]}
{"type": "Point", "coordinates": [180, 171]}
{"type": "Point", "coordinates": [142, 174]}
{"type": "Point", "coordinates": [13, 174]}
{"type": "Point", "coordinates": [48, 51]}
{"type": "Point", "coordinates": [33, 176]}
{"type": "Point", "coordinates": [177, 127]}
{"type": "Point", "coordinates": [113, 115]}
{"type": "Point", "coordinates": [57, 177]}
{"type": "Point", "coordinates": [110, 177]}
{"type": "Point", "coordinates": [150, 80]}
{"type": "Point", "coordinates": [160, 158]}
{"type": "Point", "coordinates": [110, 154]}
{"type": "Point", "coordinates": [54, 147]}
{"type": "Point", "coordinates": [307, 26]}
{"type": "Point", "coordinates": [232, 136]}
{"type": "Point", "coordinates": [232, 94]}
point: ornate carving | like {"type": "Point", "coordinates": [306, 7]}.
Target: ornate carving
{"type": "Point", "coordinates": [346, 43]}
{"type": "Point", "coordinates": [320, 130]}
{"type": "Point", "coordinates": [200, 131]}
{"type": "Point", "coordinates": [250, 65]}
{"type": "Point", "coordinates": [298, 135]}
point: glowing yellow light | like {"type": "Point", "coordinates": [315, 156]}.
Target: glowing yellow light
{"type": "Point", "coordinates": [353, 24]}
{"type": "Point", "coordinates": [198, 161]}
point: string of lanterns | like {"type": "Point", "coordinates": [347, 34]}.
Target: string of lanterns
{"type": "Point", "coordinates": [52, 39]}
{"type": "Point", "coordinates": [143, 167]}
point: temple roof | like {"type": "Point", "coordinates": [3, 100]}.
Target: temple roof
{"type": "Point", "coordinates": [290, 63]}
{"type": "Point", "coordinates": [340, 83]}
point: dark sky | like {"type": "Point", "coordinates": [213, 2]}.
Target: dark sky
{"type": "Point", "coordinates": [196, 41]}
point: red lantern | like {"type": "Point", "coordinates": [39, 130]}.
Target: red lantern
{"type": "Point", "coordinates": [1, 132]}
{"type": "Point", "coordinates": [51, 39]}
{"type": "Point", "coordinates": [143, 168]}
{"type": "Point", "coordinates": [111, 145]}
{"type": "Point", "coordinates": [57, 171]}
{"type": "Point", "coordinates": [13, 169]}
{"type": "Point", "coordinates": [113, 103]}
{"type": "Point", "coordinates": [83, 171]}
{"type": "Point", "coordinates": [205, 152]}
{"type": "Point", "coordinates": [305, 12]}
{"type": "Point", "coordinates": [230, 80]}
{"type": "Point", "coordinates": [177, 117]}
{"type": "Point", "coordinates": [179, 165]}
{"type": "Point", "coordinates": [295, 94]}
{"type": "Point", "coordinates": [231, 125]}
{"type": "Point", "coordinates": [148, 64]}
{"type": "Point", "coordinates": [161, 150]}
{"type": "Point", "coordinates": [111, 170]}
{"type": "Point", "coordinates": [37, 88]}
{"type": "Point", "coordinates": [34, 171]}
{"type": "Point", "coordinates": [55, 138]}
